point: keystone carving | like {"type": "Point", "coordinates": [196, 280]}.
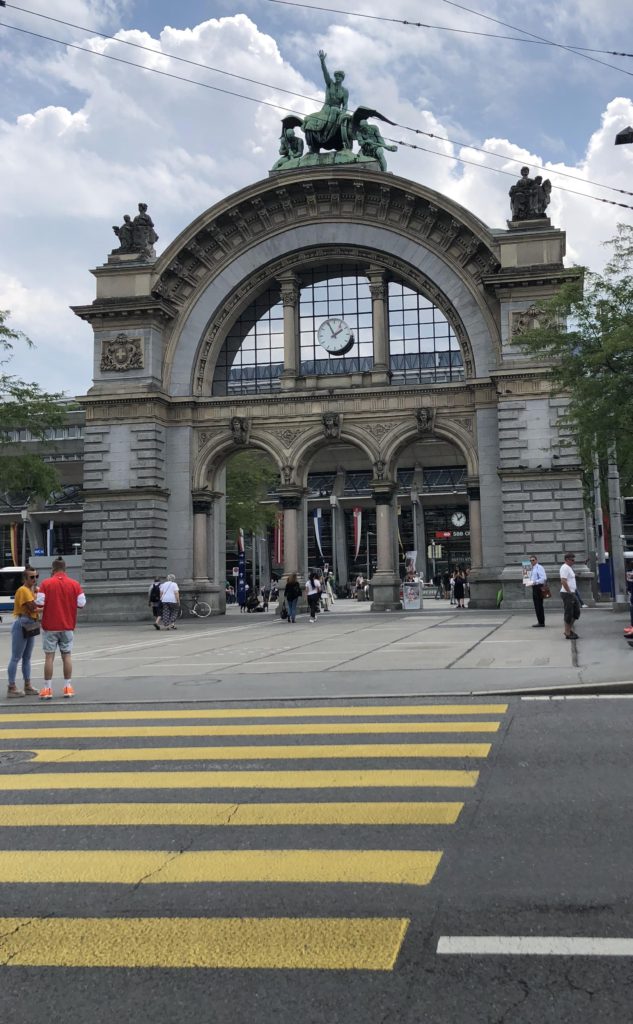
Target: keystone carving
{"type": "Point", "coordinates": [331, 424]}
{"type": "Point", "coordinates": [240, 429]}
{"type": "Point", "coordinates": [425, 417]}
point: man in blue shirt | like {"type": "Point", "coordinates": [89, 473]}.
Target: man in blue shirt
{"type": "Point", "coordinates": [538, 578]}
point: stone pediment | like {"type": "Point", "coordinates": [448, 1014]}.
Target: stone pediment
{"type": "Point", "coordinates": [330, 194]}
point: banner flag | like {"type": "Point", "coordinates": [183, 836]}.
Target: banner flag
{"type": "Point", "coordinates": [358, 529]}
{"type": "Point", "coordinates": [316, 519]}
{"type": "Point", "coordinates": [14, 542]}
{"type": "Point", "coordinates": [278, 537]}
{"type": "Point", "coordinates": [240, 540]}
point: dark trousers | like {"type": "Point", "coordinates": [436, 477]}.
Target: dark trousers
{"type": "Point", "coordinates": [537, 597]}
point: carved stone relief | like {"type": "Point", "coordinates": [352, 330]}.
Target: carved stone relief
{"type": "Point", "coordinates": [532, 317]}
{"type": "Point", "coordinates": [288, 436]}
{"type": "Point", "coordinates": [122, 353]}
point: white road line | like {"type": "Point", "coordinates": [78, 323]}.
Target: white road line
{"type": "Point", "coordinates": [532, 945]}
{"type": "Point", "coordinates": [587, 696]}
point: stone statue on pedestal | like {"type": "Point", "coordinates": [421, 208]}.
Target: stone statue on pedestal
{"type": "Point", "coordinates": [136, 236]}
{"type": "Point", "coordinates": [530, 197]}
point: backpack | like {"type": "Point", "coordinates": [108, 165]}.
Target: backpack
{"type": "Point", "coordinates": [154, 594]}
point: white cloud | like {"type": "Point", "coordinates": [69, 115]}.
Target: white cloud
{"type": "Point", "coordinates": [123, 136]}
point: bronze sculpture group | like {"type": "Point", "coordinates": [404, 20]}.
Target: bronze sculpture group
{"type": "Point", "coordinates": [333, 127]}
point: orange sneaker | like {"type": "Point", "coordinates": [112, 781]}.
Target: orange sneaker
{"type": "Point", "coordinates": [68, 691]}
{"type": "Point", "coordinates": [46, 693]}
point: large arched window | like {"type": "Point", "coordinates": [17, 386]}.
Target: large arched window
{"type": "Point", "coordinates": [423, 346]}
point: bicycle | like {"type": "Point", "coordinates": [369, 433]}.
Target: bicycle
{"type": "Point", "coordinates": [192, 606]}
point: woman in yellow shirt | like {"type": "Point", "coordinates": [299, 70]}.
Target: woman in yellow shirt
{"type": "Point", "coordinates": [25, 621]}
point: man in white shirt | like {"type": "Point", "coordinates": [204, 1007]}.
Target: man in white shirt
{"type": "Point", "coordinates": [538, 578]}
{"type": "Point", "coordinates": [569, 595]}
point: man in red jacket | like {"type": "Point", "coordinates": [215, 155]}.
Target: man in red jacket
{"type": "Point", "coordinates": [59, 597]}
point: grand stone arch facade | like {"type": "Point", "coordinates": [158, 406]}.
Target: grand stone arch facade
{"type": "Point", "coordinates": [158, 431]}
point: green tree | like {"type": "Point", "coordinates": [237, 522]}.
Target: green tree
{"type": "Point", "coordinates": [592, 359]}
{"type": "Point", "coordinates": [249, 477]}
{"type": "Point", "coordinates": [24, 405]}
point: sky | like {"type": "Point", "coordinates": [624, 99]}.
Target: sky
{"type": "Point", "coordinates": [84, 139]}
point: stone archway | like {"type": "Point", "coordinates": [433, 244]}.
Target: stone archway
{"type": "Point", "coordinates": [154, 428]}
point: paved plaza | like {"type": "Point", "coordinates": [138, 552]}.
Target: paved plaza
{"type": "Point", "coordinates": [348, 652]}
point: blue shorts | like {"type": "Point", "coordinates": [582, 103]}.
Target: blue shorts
{"type": "Point", "coordinates": [52, 639]}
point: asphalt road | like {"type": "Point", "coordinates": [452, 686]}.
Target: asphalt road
{"type": "Point", "coordinates": [429, 875]}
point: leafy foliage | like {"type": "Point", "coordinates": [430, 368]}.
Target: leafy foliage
{"type": "Point", "coordinates": [249, 477]}
{"type": "Point", "coordinates": [592, 360]}
{"type": "Point", "coordinates": [23, 405]}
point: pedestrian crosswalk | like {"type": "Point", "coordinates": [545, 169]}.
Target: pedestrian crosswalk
{"type": "Point", "coordinates": [362, 804]}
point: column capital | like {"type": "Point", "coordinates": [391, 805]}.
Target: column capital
{"type": "Point", "coordinates": [290, 498]}
{"type": "Point", "coordinates": [382, 493]}
{"type": "Point", "coordinates": [203, 501]}
{"type": "Point", "coordinates": [289, 289]}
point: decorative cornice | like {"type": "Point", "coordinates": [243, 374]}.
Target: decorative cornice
{"type": "Point", "coordinates": [265, 209]}
{"type": "Point", "coordinates": [102, 312]}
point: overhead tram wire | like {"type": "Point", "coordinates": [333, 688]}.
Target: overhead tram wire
{"type": "Point", "coordinates": [509, 174]}
{"type": "Point", "coordinates": [289, 92]}
{"type": "Point", "coordinates": [532, 40]}
{"type": "Point", "coordinates": [529, 37]}
{"type": "Point", "coordinates": [278, 106]}
{"type": "Point", "coordinates": [150, 49]}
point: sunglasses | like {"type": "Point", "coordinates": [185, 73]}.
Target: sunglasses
{"type": "Point", "coordinates": [34, 577]}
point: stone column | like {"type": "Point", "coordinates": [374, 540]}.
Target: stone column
{"type": "Point", "coordinates": [291, 502]}
{"type": "Point", "coordinates": [380, 325]}
{"type": "Point", "coordinates": [202, 503]}
{"type": "Point", "coordinates": [385, 582]}
{"type": "Point", "coordinates": [474, 518]}
{"type": "Point", "coordinates": [289, 285]}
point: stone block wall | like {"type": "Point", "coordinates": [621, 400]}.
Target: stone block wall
{"type": "Point", "coordinates": [124, 539]}
{"type": "Point", "coordinates": [543, 515]}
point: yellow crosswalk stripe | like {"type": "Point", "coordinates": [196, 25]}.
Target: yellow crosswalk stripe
{"type": "Point", "coordinates": [369, 944]}
{"type": "Point", "coordinates": [237, 780]}
{"type": "Point", "coordinates": [291, 752]}
{"type": "Point", "coordinates": [357, 711]}
{"type": "Point", "coordinates": [357, 813]}
{"type": "Point", "coordinates": [299, 729]}
{"type": "Point", "coordinates": [147, 867]}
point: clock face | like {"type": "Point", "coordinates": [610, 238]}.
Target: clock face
{"type": "Point", "coordinates": [458, 519]}
{"type": "Point", "coordinates": [335, 336]}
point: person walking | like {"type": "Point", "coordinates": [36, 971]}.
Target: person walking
{"type": "Point", "coordinates": [568, 592]}
{"type": "Point", "coordinates": [459, 589]}
{"type": "Point", "coordinates": [23, 633]}
{"type": "Point", "coordinates": [538, 579]}
{"type": "Point", "coordinates": [292, 594]}
{"type": "Point", "coordinates": [58, 597]}
{"type": "Point", "coordinates": [155, 602]}
{"type": "Point", "coordinates": [170, 600]}
{"type": "Point", "coordinates": [313, 593]}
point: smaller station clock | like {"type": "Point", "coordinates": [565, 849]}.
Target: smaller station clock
{"type": "Point", "coordinates": [335, 336]}
{"type": "Point", "coordinates": [458, 519]}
